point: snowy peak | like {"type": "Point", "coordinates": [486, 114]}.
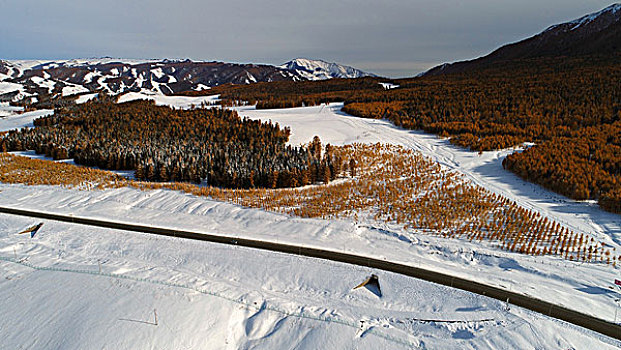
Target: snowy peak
{"type": "Point", "coordinates": [322, 70]}
{"type": "Point", "coordinates": [598, 33]}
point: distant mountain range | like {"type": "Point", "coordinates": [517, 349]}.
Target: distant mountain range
{"type": "Point", "coordinates": [598, 33]}
{"type": "Point", "coordinates": [23, 79]}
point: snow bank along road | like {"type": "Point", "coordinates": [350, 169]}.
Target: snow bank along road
{"type": "Point", "coordinates": [530, 303]}
{"type": "Point", "coordinates": [83, 287]}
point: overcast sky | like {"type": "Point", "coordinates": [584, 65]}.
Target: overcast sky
{"type": "Point", "coordinates": [387, 37]}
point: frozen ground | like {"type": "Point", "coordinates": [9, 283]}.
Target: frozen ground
{"type": "Point", "coordinates": [584, 287]}
{"type": "Point", "coordinates": [76, 287]}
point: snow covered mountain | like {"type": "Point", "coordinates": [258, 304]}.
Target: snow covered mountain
{"type": "Point", "coordinates": [23, 79]}
{"type": "Point", "coordinates": [597, 33]}
{"type": "Point", "coordinates": [116, 76]}
{"type": "Point", "coordinates": [321, 70]}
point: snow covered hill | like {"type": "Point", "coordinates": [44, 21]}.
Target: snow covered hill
{"type": "Point", "coordinates": [594, 21]}
{"type": "Point", "coordinates": [29, 79]}
{"type": "Point", "coordinates": [117, 76]}
{"type": "Point", "coordinates": [321, 70]}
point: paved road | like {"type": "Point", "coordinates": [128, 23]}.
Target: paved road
{"type": "Point", "coordinates": [543, 307]}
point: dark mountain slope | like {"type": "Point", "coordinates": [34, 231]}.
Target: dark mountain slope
{"type": "Point", "coordinates": [597, 34]}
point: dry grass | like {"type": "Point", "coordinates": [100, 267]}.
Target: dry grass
{"type": "Point", "coordinates": [392, 185]}
{"type": "Point", "coordinates": [28, 171]}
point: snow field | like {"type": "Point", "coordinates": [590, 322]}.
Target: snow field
{"type": "Point", "coordinates": [173, 101]}
{"type": "Point", "coordinates": [106, 287]}
{"type": "Point", "coordinates": [574, 285]}
{"type": "Point", "coordinates": [593, 292]}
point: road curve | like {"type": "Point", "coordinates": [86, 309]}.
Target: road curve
{"type": "Point", "coordinates": [527, 302]}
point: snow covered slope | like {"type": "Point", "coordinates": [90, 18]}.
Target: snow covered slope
{"type": "Point", "coordinates": [321, 70]}
{"type": "Point", "coordinates": [76, 287]}
{"type": "Point", "coordinates": [117, 75]}
{"type": "Point", "coordinates": [338, 128]}
{"type": "Point", "coordinates": [608, 16]}
{"type": "Point", "coordinates": [176, 101]}
{"type": "Point", "coordinates": [10, 119]}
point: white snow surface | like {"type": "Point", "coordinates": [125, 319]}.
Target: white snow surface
{"type": "Point", "coordinates": [389, 86]}
{"type": "Point", "coordinates": [201, 87]}
{"type": "Point", "coordinates": [76, 287]}
{"type": "Point", "coordinates": [74, 89]}
{"type": "Point", "coordinates": [288, 283]}
{"type": "Point", "coordinates": [43, 82]}
{"type": "Point", "coordinates": [90, 75]}
{"type": "Point", "coordinates": [158, 72]}
{"type": "Point", "coordinates": [86, 97]}
{"type": "Point", "coordinates": [6, 110]}
{"type": "Point", "coordinates": [18, 121]}
{"type": "Point", "coordinates": [6, 86]}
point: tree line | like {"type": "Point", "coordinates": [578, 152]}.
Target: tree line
{"type": "Point", "coordinates": [210, 146]}
{"type": "Point", "coordinates": [289, 94]}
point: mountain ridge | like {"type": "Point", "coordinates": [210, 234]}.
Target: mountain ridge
{"type": "Point", "coordinates": [598, 33]}
{"type": "Point", "coordinates": [31, 78]}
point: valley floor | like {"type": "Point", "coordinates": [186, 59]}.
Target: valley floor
{"type": "Point", "coordinates": [338, 128]}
